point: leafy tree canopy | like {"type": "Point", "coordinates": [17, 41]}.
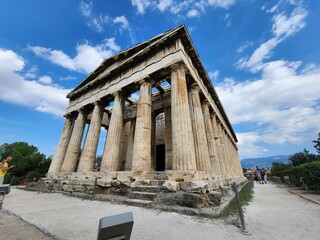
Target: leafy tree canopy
{"type": "Point", "coordinates": [279, 166]}
{"type": "Point", "coordinates": [303, 157]}
{"type": "Point", "coordinates": [26, 157]}
{"type": "Point", "coordinates": [317, 144]}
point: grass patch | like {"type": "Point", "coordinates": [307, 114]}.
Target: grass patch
{"type": "Point", "coordinates": [246, 195]}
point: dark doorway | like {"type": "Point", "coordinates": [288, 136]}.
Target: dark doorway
{"type": "Point", "coordinates": [160, 157]}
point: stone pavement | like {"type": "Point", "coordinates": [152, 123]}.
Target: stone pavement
{"type": "Point", "coordinates": [313, 196]}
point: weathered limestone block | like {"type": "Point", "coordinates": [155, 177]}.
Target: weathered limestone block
{"type": "Point", "coordinates": [116, 183]}
{"type": "Point", "coordinates": [226, 191]}
{"type": "Point", "coordinates": [215, 197]}
{"type": "Point", "coordinates": [171, 186]}
{"type": "Point", "coordinates": [214, 184]}
{"type": "Point", "coordinates": [67, 188]}
{"type": "Point", "coordinates": [103, 183]}
{"type": "Point", "coordinates": [194, 186]}
{"type": "Point", "coordinates": [78, 188]}
{"type": "Point", "coordinates": [191, 200]}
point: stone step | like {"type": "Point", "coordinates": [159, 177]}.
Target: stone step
{"type": "Point", "coordinates": [154, 182]}
{"type": "Point", "coordinates": [142, 195]}
{"type": "Point", "coordinates": [161, 176]}
{"type": "Point", "coordinates": [143, 188]}
{"type": "Point", "coordinates": [138, 202]}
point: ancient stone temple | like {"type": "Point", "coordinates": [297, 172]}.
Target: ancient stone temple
{"type": "Point", "coordinates": [176, 130]}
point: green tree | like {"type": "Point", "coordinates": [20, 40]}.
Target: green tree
{"type": "Point", "coordinates": [317, 144]}
{"type": "Point", "coordinates": [279, 166]}
{"type": "Point", "coordinates": [27, 159]}
{"type": "Point", "coordinates": [302, 157]}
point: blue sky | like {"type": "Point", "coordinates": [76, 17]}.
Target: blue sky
{"type": "Point", "coordinates": [262, 56]}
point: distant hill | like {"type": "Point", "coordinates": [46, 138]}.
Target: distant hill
{"type": "Point", "coordinates": [263, 161]}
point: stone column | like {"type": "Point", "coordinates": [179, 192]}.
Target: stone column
{"type": "Point", "coordinates": [183, 151]}
{"type": "Point", "coordinates": [141, 159]}
{"type": "Point", "coordinates": [73, 152]}
{"type": "Point", "coordinates": [199, 132]}
{"type": "Point", "coordinates": [226, 158]}
{"type": "Point", "coordinates": [168, 138]}
{"type": "Point", "coordinates": [125, 140]}
{"type": "Point", "coordinates": [213, 152]}
{"type": "Point", "coordinates": [130, 147]}
{"type": "Point", "coordinates": [61, 149]}
{"type": "Point", "coordinates": [88, 155]}
{"type": "Point", "coordinates": [228, 155]}
{"type": "Point", "coordinates": [111, 160]}
{"type": "Point", "coordinates": [153, 141]}
{"type": "Point", "coordinates": [222, 162]}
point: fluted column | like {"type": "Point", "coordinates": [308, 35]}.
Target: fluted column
{"type": "Point", "coordinates": [168, 138]}
{"type": "Point", "coordinates": [111, 160]}
{"type": "Point", "coordinates": [124, 143]}
{"type": "Point", "coordinates": [225, 152]}
{"type": "Point", "coordinates": [88, 155]}
{"type": "Point", "coordinates": [61, 149]}
{"type": "Point", "coordinates": [128, 164]}
{"type": "Point", "coordinates": [73, 152]}
{"type": "Point", "coordinates": [213, 152]}
{"type": "Point", "coordinates": [220, 151]}
{"type": "Point", "coordinates": [183, 150]}
{"type": "Point", "coordinates": [141, 159]}
{"type": "Point", "coordinates": [199, 132]}
{"type": "Point", "coordinates": [228, 155]}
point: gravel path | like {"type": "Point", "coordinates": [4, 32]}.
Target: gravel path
{"type": "Point", "coordinates": [273, 214]}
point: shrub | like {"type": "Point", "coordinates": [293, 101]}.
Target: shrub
{"type": "Point", "coordinates": [309, 171]}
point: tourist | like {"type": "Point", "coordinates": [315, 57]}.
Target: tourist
{"type": "Point", "coordinates": [263, 175]}
{"type": "Point", "coordinates": [4, 167]}
{"type": "Point", "coordinates": [257, 175]}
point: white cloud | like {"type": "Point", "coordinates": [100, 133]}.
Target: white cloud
{"type": "Point", "coordinates": [45, 80]}
{"type": "Point", "coordinates": [16, 89]}
{"type": "Point", "coordinates": [10, 61]}
{"type": "Point", "coordinates": [141, 5]}
{"type": "Point", "coordinates": [67, 78]}
{"type": "Point", "coordinates": [244, 46]}
{"type": "Point", "coordinates": [164, 4]}
{"type": "Point", "coordinates": [32, 72]}
{"type": "Point", "coordinates": [283, 27]}
{"type": "Point", "coordinates": [221, 3]}
{"type": "Point", "coordinates": [247, 144]}
{"type": "Point", "coordinates": [283, 103]}
{"type": "Point", "coordinates": [182, 9]}
{"type": "Point", "coordinates": [85, 8]}
{"type": "Point", "coordinates": [214, 74]}
{"type": "Point", "coordinates": [193, 13]}
{"type": "Point", "coordinates": [227, 18]}
{"type": "Point", "coordinates": [123, 21]}
{"type": "Point", "coordinates": [87, 59]}
{"type": "Point", "coordinates": [95, 21]}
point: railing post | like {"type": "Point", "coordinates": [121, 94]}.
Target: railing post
{"type": "Point", "coordinates": [243, 224]}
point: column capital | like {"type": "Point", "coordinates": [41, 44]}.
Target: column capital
{"type": "Point", "coordinates": [146, 79]}
{"type": "Point", "coordinates": [195, 86]}
{"type": "Point", "coordinates": [178, 65]}
{"type": "Point", "coordinates": [205, 102]}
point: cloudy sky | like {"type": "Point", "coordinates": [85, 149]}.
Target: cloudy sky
{"type": "Point", "coordinates": [262, 56]}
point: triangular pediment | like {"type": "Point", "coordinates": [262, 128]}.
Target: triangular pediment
{"type": "Point", "coordinates": [117, 60]}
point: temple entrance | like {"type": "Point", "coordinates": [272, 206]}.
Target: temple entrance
{"type": "Point", "coordinates": [160, 157]}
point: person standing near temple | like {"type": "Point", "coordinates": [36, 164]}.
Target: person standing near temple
{"type": "Point", "coordinates": [4, 167]}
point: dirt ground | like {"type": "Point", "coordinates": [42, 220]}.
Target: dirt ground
{"type": "Point", "coordinates": [13, 228]}
{"type": "Point", "coordinates": [274, 213]}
